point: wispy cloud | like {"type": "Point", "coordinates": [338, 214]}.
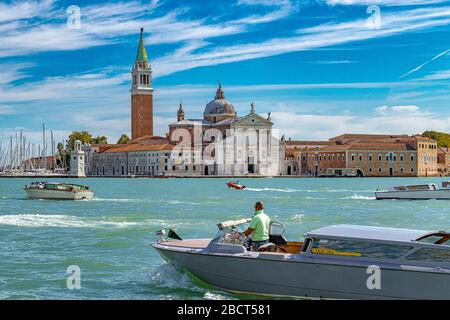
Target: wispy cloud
{"type": "Point", "coordinates": [24, 10]}
{"type": "Point", "coordinates": [424, 64]}
{"type": "Point", "coordinates": [438, 75]}
{"type": "Point", "coordinates": [383, 2]}
{"type": "Point", "coordinates": [324, 35]}
{"type": "Point", "coordinates": [106, 23]}
{"type": "Point", "coordinates": [402, 121]}
{"type": "Point", "coordinates": [327, 62]}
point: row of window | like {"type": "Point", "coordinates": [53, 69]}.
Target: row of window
{"type": "Point", "coordinates": [390, 157]}
{"type": "Point", "coordinates": [378, 250]}
{"type": "Point", "coordinates": [142, 155]}
{"type": "Point", "coordinates": [427, 146]}
{"type": "Point", "coordinates": [144, 169]}
{"type": "Point", "coordinates": [391, 171]}
{"type": "Point", "coordinates": [319, 157]}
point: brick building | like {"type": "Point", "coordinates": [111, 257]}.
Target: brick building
{"type": "Point", "coordinates": [369, 155]}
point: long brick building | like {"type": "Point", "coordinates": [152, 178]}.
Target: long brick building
{"type": "Point", "coordinates": [365, 155]}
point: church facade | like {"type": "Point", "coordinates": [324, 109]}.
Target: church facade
{"type": "Point", "coordinates": [228, 144]}
{"type": "Point", "coordinates": [220, 143]}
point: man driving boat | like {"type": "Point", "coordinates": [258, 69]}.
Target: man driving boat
{"type": "Point", "coordinates": [259, 227]}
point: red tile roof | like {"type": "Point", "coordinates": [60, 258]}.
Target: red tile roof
{"type": "Point", "coordinates": [140, 147]}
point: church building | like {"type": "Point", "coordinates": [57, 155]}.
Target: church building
{"type": "Point", "coordinates": [220, 143]}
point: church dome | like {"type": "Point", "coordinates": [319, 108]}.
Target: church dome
{"type": "Point", "coordinates": [219, 108]}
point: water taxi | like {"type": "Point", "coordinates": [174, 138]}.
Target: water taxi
{"type": "Point", "coordinates": [58, 191]}
{"type": "Point", "coordinates": [415, 192]}
{"type": "Point", "coordinates": [336, 262]}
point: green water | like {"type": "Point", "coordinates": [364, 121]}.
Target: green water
{"type": "Point", "coordinates": [109, 238]}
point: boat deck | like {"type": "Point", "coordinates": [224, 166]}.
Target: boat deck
{"type": "Point", "coordinates": [190, 243]}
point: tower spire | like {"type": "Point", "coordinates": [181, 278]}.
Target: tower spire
{"type": "Point", "coordinates": [141, 53]}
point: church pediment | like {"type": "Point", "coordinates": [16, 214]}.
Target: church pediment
{"type": "Point", "coordinates": [252, 119]}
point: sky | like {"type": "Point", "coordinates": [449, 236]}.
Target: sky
{"type": "Point", "coordinates": [321, 67]}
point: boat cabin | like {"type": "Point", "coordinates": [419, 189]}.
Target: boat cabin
{"type": "Point", "coordinates": [379, 243]}
{"type": "Point", "coordinates": [421, 187]}
{"type": "Point", "coordinates": [350, 241]}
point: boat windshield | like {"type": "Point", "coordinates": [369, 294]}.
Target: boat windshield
{"type": "Point", "coordinates": [436, 238]}
{"type": "Point", "coordinates": [420, 187]}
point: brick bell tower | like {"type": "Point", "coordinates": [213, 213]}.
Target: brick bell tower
{"type": "Point", "coordinates": [141, 94]}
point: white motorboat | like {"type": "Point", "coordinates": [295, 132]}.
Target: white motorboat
{"type": "Point", "coordinates": [58, 191]}
{"type": "Point", "coordinates": [415, 192]}
{"type": "Point", "coordinates": [337, 262]}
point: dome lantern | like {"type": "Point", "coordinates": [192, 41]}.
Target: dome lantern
{"type": "Point", "coordinates": [219, 109]}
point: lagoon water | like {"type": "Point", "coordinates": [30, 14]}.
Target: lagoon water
{"type": "Point", "coordinates": [109, 238]}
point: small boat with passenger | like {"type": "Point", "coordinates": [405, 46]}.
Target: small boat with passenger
{"type": "Point", "coordinates": [58, 191]}
{"type": "Point", "coordinates": [337, 262]}
{"type": "Point", "coordinates": [236, 185]}
{"type": "Point", "coordinates": [429, 191]}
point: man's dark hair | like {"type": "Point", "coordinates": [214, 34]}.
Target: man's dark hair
{"type": "Point", "coordinates": [259, 204]}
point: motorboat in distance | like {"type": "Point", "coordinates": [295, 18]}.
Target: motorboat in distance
{"type": "Point", "coordinates": [416, 192]}
{"type": "Point", "coordinates": [235, 185]}
{"type": "Point", "coordinates": [58, 191]}
{"type": "Point", "coordinates": [336, 262]}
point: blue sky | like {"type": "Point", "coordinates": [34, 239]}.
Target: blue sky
{"type": "Point", "coordinates": [321, 67]}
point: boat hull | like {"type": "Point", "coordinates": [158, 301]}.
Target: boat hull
{"type": "Point", "coordinates": [59, 195]}
{"type": "Point", "coordinates": [235, 186]}
{"type": "Point", "coordinates": [276, 275]}
{"type": "Point", "coordinates": [443, 194]}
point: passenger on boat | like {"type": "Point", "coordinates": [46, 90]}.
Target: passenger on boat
{"type": "Point", "coordinates": [258, 228]}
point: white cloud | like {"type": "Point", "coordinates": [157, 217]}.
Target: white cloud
{"type": "Point", "coordinates": [12, 72]}
{"type": "Point", "coordinates": [327, 62]}
{"type": "Point", "coordinates": [322, 127]}
{"type": "Point", "coordinates": [105, 23]}
{"type": "Point", "coordinates": [438, 75]}
{"type": "Point", "coordinates": [390, 110]}
{"type": "Point", "coordinates": [324, 35]}
{"type": "Point", "coordinates": [383, 2]}
{"type": "Point", "coordinates": [24, 10]}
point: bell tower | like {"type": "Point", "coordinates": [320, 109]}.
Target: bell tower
{"type": "Point", "coordinates": [141, 94]}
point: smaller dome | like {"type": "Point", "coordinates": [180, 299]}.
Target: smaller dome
{"type": "Point", "coordinates": [219, 106]}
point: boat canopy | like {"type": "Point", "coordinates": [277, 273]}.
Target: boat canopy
{"type": "Point", "coordinates": [369, 233]}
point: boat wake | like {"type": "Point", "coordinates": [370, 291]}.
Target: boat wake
{"type": "Point", "coordinates": [61, 221]}
{"type": "Point", "coordinates": [360, 197]}
{"type": "Point", "coordinates": [288, 190]}
{"type": "Point", "coordinates": [120, 200]}
{"type": "Point", "coordinates": [170, 276]}
{"type": "Point", "coordinates": [172, 202]}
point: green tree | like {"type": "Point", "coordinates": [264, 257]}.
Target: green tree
{"type": "Point", "coordinates": [443, 139]}
{"type": "Point", "coordinates": [124, 139]}
{"type": "Point", "coordinates": [84, 136]}
{"type": "Point", "coordinates": [99, 140]}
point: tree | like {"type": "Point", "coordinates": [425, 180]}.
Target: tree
{"type": "Point", "coordinates": [83, 136]}
{"type": "Point", "coordinates": [443, 139]}
{"type": "Point", "coordinates": [99, 140]}
{"type": "Point", "coordinates": [124, 139]}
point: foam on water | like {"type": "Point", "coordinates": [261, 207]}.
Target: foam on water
{"type": "Point", "coordinates": [62, 221]}
{"type": "Point", "coordinates": [288, 190]}
{"type": "Point", "coordinates": [169, 276]}
{"type": "Point", "coordinates": [360, 197]}
{"type": "Point", "coordinates": [214, 296]}
{"type": "Point", "coordinates": [297, 217]}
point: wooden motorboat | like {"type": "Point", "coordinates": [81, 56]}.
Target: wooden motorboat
{"type": "Point", "coordinates": [58, 191]}
{"type": "Point", "coordinates": [337, 262]}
